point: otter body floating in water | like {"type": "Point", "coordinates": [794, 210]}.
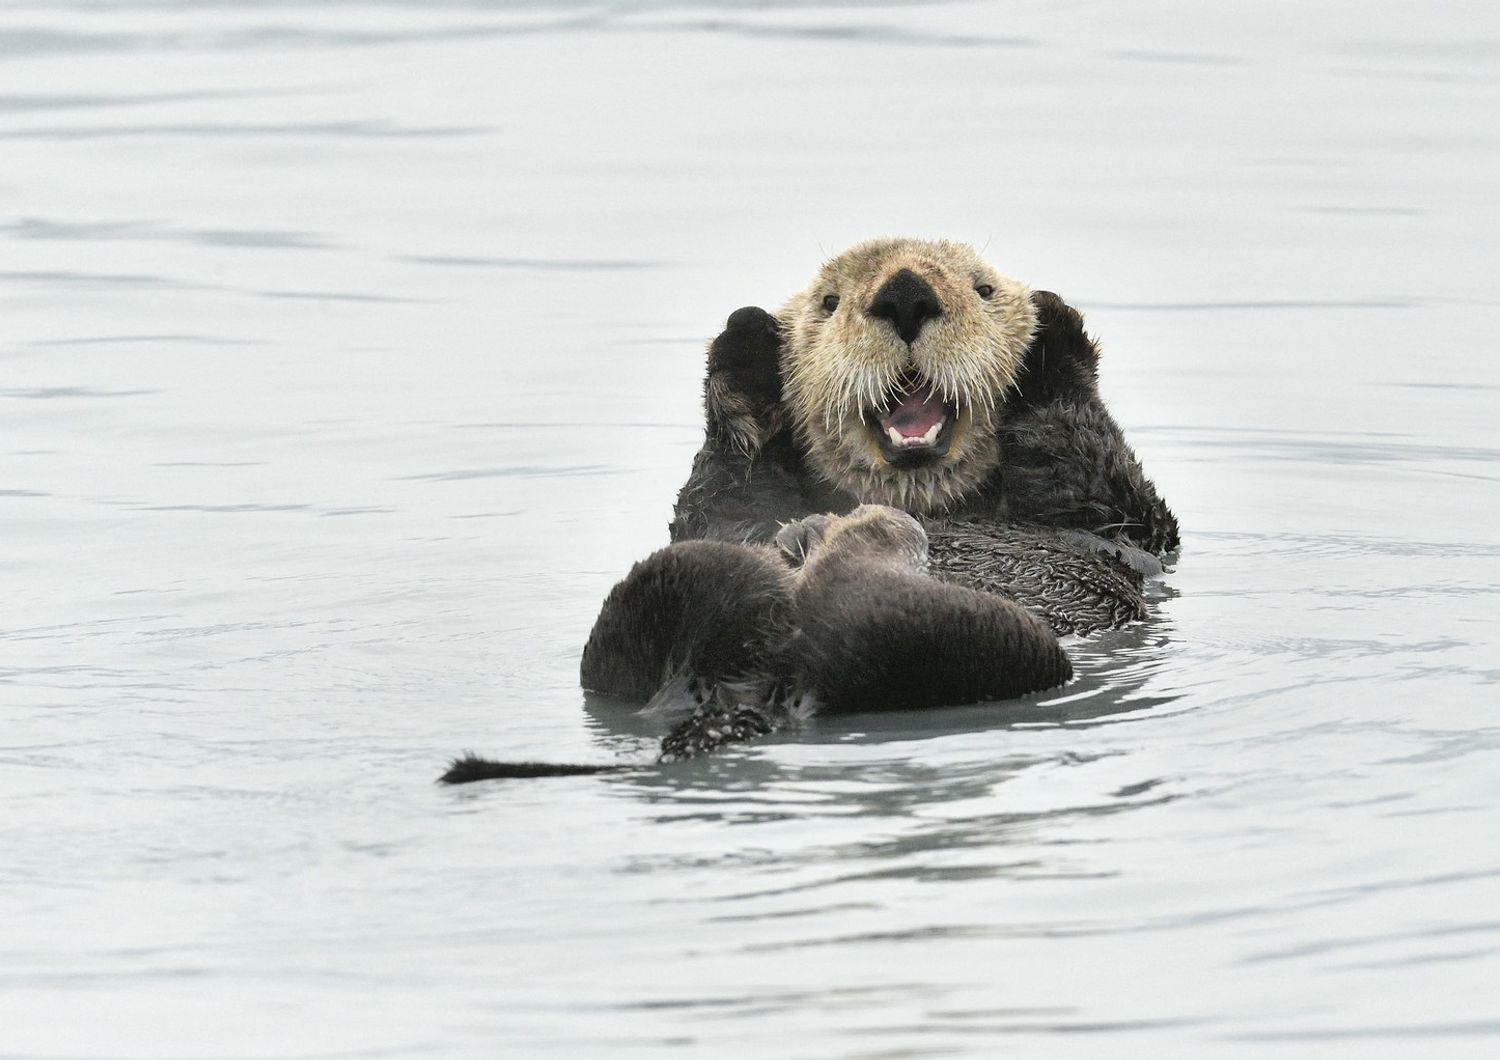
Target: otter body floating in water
{"type": "Point", "coordinates": [909, 374]}
{"type": "Point", "coordinates": [844, 618]}
{"type": "Point", "coordinates": [746, 642]}
{"type": "Point", "coordinates": [913, 374]}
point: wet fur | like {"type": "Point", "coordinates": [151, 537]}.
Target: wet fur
{"type": "Point", "coordinates": [874, 632]}
{"type": "Point", "coordinates": [1064, 460]}
{"type": "Point", "coordinates": [688, 618]}
{"type": "Point", "coordinates": [1041, 510]}
{"type": "Point", "coordinates": [748, 642]}
{"type": "Point", "coordinates": [1073, 587]}
{"type": "Point", "coordinates": [1061, 461]}
{"type": "Point", "coordinates": [840, 615]}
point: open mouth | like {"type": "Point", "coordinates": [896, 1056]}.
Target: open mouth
{"type": "Point", "coordinates": [915, 425]}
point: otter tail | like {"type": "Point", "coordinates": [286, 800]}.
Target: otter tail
{"type": "Point", "coordinates": [730, 712]}
{"type": "Point", "coordinates": [470, 767]}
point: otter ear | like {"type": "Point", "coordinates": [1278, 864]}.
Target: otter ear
{"type": "Point", "coordinates": [1061, 361]}
{"type": "Point", "coordinates": [742, 394]}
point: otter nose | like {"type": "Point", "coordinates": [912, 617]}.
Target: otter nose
{"type": "Point", "coordinates": [907, 302]}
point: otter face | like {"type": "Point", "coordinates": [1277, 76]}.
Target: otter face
{"type": "Point", "coordinates": [895, 364]}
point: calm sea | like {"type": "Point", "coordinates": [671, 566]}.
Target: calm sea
{"type": "Point", "coordinates": [349, 352]}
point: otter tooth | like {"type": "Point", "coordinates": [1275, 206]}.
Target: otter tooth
{"type": "Point", "coordinates": [930, 437]}
{"type": "Point", "coordinates": [896, 436]}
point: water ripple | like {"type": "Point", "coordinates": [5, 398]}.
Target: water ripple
{"type": "Point", "coordinates": [50, 393]}
{"type": "Point", "coordinates": [366, 129]}
{"type": "Point", "coordinates": [74, 278]}
{"type": "Point", "coordinates": [1269, 304]}
{"type": "Point", "coordinates": [544, 264]}
{"type": "Point", "coordinates": [465, 474]}
{"type": "Point", "coordinates": [107, 340]}
{"type": "Point", "coordinates": [838, 33]}
{"type": "Point", "coordinates": [157, 231]}
{"type": "Point", "coordinates": [231, 509]}
{"type": "Point", "coordinates": [343, 296]}
{"type": "Point", "coordinates": [1377, 1032]}
{"type": "Point", "coordinates": [36, 102]}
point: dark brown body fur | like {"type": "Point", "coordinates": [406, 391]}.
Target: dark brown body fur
{"type": "Point", "coordinates": [875, 632]}
{"type": "Point", "coordinates": [1065, 466]}
{"type": "Point", "coordinates": [687, 618]}
{"type": "Point", "coordinates": [746, 640]}
{"type": "Point", "coordinates": [1065, 526]}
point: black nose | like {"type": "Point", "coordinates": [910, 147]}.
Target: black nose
{"type": "Point", "coordinates": [907, 302]}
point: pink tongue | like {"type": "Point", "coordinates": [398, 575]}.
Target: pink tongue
{"type": "Point", "coordinates": [915, 414]}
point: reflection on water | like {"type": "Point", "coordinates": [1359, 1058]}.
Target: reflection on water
{"type": "Point", "coordinates": [351, 352]}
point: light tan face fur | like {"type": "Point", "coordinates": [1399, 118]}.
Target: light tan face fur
{"type": "Point", "coordinates": [838, 366]}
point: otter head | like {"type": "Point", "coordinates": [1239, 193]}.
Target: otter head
{"type": "Point", "coordinates": [895, 362]}
{"type": "Point", "coordinates": [872, 533]}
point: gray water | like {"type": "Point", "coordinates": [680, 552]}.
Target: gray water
{"type": "Point", "coordinates": [349, 352]}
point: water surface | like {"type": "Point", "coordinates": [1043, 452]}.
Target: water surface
{"type": "Point", "coordinates": [351, 351]}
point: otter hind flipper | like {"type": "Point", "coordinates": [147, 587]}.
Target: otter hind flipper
{"type": "Point", "coordinates": [727, 717]}
{"type": "Point", "coordinates": [1146, 564]}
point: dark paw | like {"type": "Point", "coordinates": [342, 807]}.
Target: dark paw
{"type": "Point", "coordinates": [1055, 315]}
{"type": "Point", "coordinates": [746, 356]}
{"type": "Point", "coordinates": [1061, 362]}
{"type": "Point", "coordinates": [742, 394]}
{"type": "Point", "coordinates": [797, 540]}
{"type": "Point", "coordinates": [750, 318]}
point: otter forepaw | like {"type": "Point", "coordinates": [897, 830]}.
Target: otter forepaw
{"type": "Point", "coordinates": [1056, 315]}
{"type": "Point", "coordinates": [750, 335]}
{"type": "Point", "coordinates": [1062, 362]}
{"type": "Point", "coordinates": [797, 540]}
{"type": "Point", "coordinates": [742, 395]}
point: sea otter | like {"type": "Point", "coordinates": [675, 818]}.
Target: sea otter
{"type": "Point", "coordinates": [747, 641]}
{"type": "Point", "coordinates": [914, 374]}
{"type": "Point", "coordinates": [909, 374]}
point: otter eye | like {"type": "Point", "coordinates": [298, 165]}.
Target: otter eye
{"type": "Point", "coordinates": [984, 290]}
{"type": "Point", "coordinates": [831, 302]}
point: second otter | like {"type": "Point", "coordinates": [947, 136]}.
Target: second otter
{"type": "Point", "coordinates": [859, 625]}
{"type": "Point", "coordinates": [747, 642]}
{"type": "Point", "coordinates": [875, 632]}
